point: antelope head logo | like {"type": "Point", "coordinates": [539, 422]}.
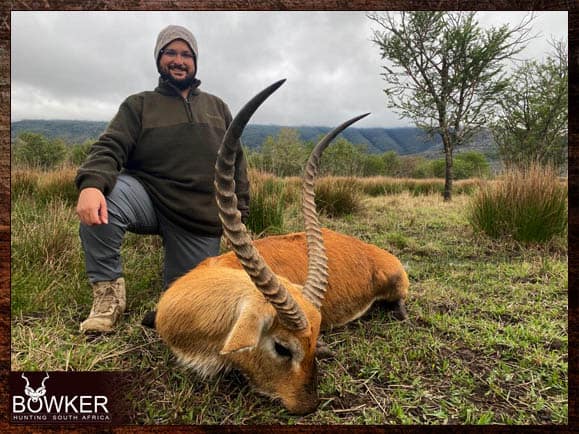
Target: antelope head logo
{"type": "Point", "coordinates": [35, 394]}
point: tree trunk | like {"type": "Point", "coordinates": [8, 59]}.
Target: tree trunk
{"type": "Point", "coordinates": [448, 172]}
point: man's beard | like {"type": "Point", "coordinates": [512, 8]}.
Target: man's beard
{"type": "Point", "coordinates": [181, 83]}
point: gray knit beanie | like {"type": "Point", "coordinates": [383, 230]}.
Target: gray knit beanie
{"type": "Point", "coordinates": [169, 34]}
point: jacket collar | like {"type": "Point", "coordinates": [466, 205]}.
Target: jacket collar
{"type": "Point", "coordinates": [165, 87]}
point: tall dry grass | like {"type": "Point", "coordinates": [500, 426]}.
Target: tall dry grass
{"type": "Point", "coordinates": [44, 186]}
{"type": "Point", "coordinates": [382, 185]}
{"type": "Point", "coordinates": [338, 196]}
{"type": "Point", "coordinates": [268, 199]}
{"type": "Point", "coordinates": [527, 204]}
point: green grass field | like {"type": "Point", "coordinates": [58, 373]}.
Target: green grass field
{"type": "Point", "coordinates": [485, 342]}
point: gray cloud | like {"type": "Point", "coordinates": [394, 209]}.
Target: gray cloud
{"type": "Point", "coordinates": [81, 65]}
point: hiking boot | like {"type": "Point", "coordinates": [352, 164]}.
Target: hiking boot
{"type": "Point", "coordinates": [109, 303]}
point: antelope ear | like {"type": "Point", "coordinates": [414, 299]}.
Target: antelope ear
{"type": "Point", "coordinates": [247, 330]}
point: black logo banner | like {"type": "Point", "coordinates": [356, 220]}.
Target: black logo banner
{"type": "Point", "coordinates": [76, 398]}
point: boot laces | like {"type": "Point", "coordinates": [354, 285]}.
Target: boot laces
{"type": "Point", "coordinates": [106, 299]}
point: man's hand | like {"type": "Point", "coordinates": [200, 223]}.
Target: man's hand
{"type": "Point", "coordinates": [92, 207]}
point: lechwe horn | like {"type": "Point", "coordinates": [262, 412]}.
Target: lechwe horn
{"type": "Point", "coordinates": [317, 279]}
{"type": "Point", "coordinates": [264, 279]}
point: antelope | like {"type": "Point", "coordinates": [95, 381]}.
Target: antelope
{"type": "Point", "coordinates": [218, 317]}
{"type": "Point", "coordinates": [359, 274]}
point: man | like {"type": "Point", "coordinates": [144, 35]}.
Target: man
{"type": "Point", "coordinates": [151, 172]}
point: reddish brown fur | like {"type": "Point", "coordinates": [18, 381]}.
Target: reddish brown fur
{"type": "Point", "coordinates": [214, 318]}
{"type": "Point", "coordinates": [359, 273]}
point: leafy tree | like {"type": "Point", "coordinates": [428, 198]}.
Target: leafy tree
{"type": "Point", "coordinates": [391, 163]}
{"type": "Point", "coordinates": [35, 150]}
{"type": "Point", "coordinates": [470, 164]}
{"type": "Point", "coordinates": [79, 152]}
{"type": "Point", "coordinates": [413, 166]}
{"type": "Point", "coordinates": [475, 163]}
{"type": "Point", "coordinates": [342, 158]}
{"type": "Point", "coordinates": [532, 125]}
{"type": "Point", "coordinates": [285, 154]}
{"type": "Point", "coordinates": [423, 169]}
{"type": "Point", "coordinates": [445, 72]}
{"type": "Point", "coordinates": [373, 165]}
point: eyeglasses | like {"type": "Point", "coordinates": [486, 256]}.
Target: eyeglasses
{"type": "Point", "coordinates": [172, 54]}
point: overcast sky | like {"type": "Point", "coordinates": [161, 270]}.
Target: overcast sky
{"type": "Point", "coordinates": [82, 65]}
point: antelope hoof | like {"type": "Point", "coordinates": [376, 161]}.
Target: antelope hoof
{"type": "Point", "coordinates": [149, 319]}
{"type": "Point", "coordinates": [399, 311]}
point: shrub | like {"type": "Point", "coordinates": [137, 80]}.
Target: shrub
{"type": "Point", "coordinates": [474, 165]}
{"type": "Point", "coordinates": [528, 205]}
{"type": "Point", "coordinates": [423, 169]}
{"type": "Point", "coordinates": [465, 165]}
{"type": "Point", "coordinates": [79, 152]}
{"type": "Point", "coordinates": [35, 150]}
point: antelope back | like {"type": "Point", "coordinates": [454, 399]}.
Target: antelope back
{"type": "Point", "coordinates": [358, 273]}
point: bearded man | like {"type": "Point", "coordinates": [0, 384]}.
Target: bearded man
{"type": "Point", "coordinates": [151, 172]}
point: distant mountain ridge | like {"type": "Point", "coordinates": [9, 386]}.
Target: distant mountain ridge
{"type": "Point", "coordinates": [404, 140]}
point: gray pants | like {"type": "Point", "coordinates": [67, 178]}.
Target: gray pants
{"type": "Point", "coordinates": [130, 209]}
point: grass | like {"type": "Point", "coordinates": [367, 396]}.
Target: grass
{"type": "Point", "coordinates": [486, 341]}
{"type": "Point", "coordinates": [337, 197]}
{"type": "Point", "coordinates": [529, 205]}
{"type": "Point", "coordinates": [268, 198]}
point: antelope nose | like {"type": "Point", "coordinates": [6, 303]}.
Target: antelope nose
{"type": "Point", "coordinates": [305, 407]}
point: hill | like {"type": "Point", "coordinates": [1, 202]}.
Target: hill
{"type": "Point", "coordinates": [404, 141]}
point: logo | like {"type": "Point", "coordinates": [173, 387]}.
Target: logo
{"type": "Point", "coordinates": [37, 405]}
{"type": "Point", "coordinates": [35, 395]}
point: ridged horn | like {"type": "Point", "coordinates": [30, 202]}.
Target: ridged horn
{"type": "Point", "coordinates": [317, 279]}
{"type": "Point", "coordinates": [289, 312]}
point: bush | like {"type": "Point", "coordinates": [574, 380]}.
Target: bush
{"type": "Point", "coordinates": [35, 150]}
{"type": "Point", "coordinates": [473, 165]}
{"type": "Point", "coordinates": [423, 169]}
{"type": "Point", "coordinates": [79, 152]}
{"type": "Point", "coordinates": [466, 165]}
{"type": "Point", "coordinates": [528, 205]}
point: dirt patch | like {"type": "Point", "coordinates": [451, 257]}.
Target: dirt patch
{"type": "Point", "coordinates": [346, 401]}
{"type": "Point", "coordinates": [478, 363]}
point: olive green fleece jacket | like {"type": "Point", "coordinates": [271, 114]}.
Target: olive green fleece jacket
{"type": "Point", "coordinates": [170, 145]}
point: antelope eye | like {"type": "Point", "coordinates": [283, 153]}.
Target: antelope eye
{"type": "Point", "coordinates": [282, 351]}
